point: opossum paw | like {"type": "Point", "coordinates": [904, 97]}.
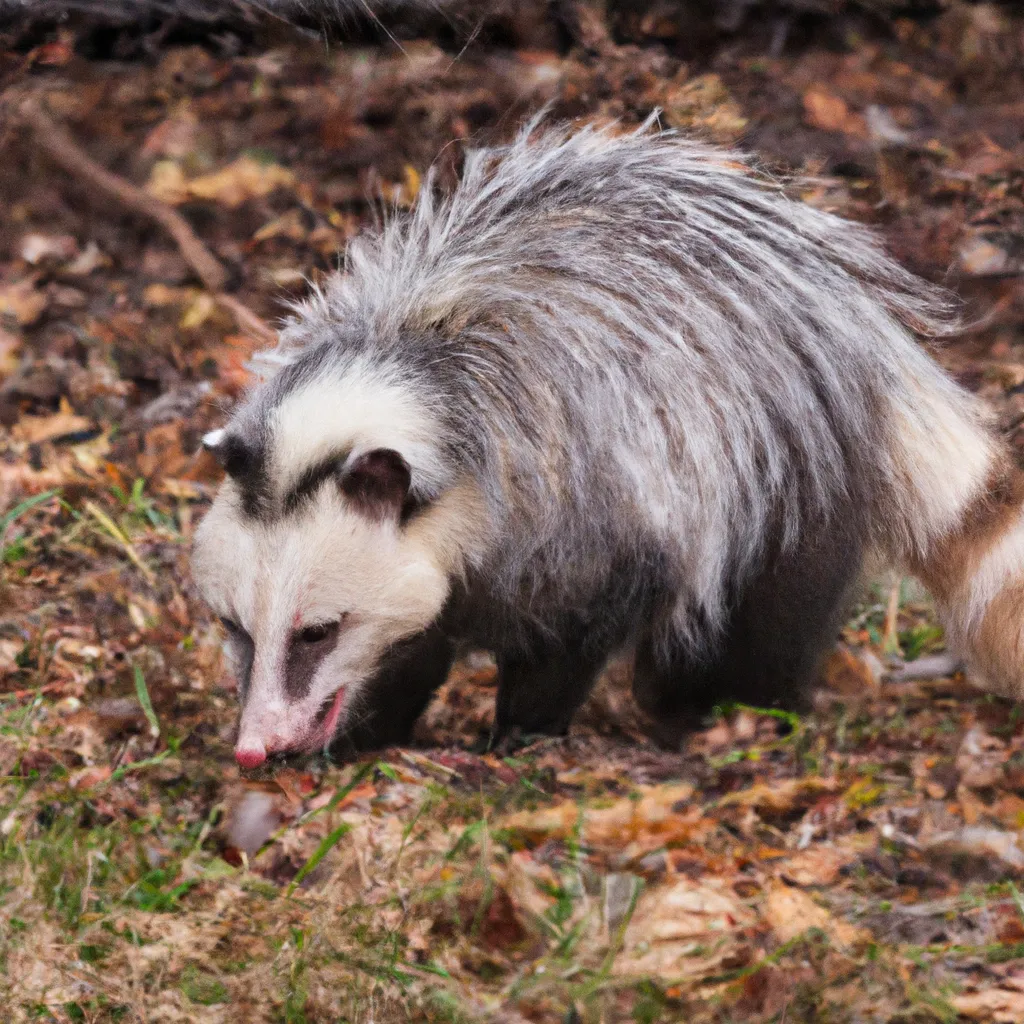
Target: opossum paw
{"type": "Point", "coordinates": [514, 740]}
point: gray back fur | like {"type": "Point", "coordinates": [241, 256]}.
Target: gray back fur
{"type": "Point", "coordinates": [654, 363]}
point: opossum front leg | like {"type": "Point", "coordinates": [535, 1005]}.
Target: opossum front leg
{"type": "Point", "coordinates": [408, 678]}
{"type": "Point", "coordinates": [538, 694]}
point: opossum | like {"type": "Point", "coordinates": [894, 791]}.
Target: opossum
{"type": "Point", "coordinates": [616, 393]}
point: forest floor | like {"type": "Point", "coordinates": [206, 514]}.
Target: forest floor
{"type": "Point", "coordinates": [856, 864]}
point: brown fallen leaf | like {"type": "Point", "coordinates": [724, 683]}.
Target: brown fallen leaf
{"type": "Point", "coordinates": [167, 182]}
{"type": "Point", "coordinates": [232, 185]}
{"type": "Point", "coordinates": [705, 104]}
{"type": "Point", "coordinates": [1001, 1005]}
{"type": "Point", "coordinates": [672, 922]}
{"type": "Point", "coordinates": [782, 796]}
{"type": "Point", "coordinates": [826, 110]}
{"type": "Point", "coordinates": [35, 429]}
{"type": "Point", "coordinates": [22, 301]}
{"type": "Point", "coordinates": [661, 815]}
{"type": "Point", "coordinates": [979, 257]}
{"type": "Point", "coordinates": [88, 260]}
{"type": "Point", "coordinates": [531, 884]}
{"type": "Point", "coordinates": [10, 352]}
{"type": "Point", "coordinates": [791, 912]}
{"type": "Point", "coordinates": [291, 225]}
{"type": "Point", "coordinates": [87, 778]}
{"type": "Point", "coordinates": [818, 865]}
{"type": "Point", "coordinates": [848, 674]}
{"type": "Point", "coordinates": [175, 137]}
{"type": "Point", "coordinates": [1009, 809]}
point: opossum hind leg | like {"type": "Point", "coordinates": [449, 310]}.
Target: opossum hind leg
{"type": "Point", "coordinates": [783, 623]}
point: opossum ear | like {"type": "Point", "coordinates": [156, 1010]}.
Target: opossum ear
{"type": "Point", "coordinates": [235, 456]}
{"type": "Point", "coordinates": [377, 483]}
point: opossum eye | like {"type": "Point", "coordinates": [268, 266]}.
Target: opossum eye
{"type": "Point", "coordinates": [377, 483]}
{"type": "Point", "coordinates": [231, 626]}
{"type": "Point", "coordinates": [319, 633]}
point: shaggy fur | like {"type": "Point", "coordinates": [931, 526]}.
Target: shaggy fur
{"type": "Point", "coordinates": [644, 399]}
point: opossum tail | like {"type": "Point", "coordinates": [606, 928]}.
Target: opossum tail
{"type": "Point", "coordinates": [964, 495]}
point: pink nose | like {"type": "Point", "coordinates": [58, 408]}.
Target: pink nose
{"type": "Point", "coordinates": [250, 758]}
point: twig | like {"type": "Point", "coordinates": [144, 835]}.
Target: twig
{"type": "Point", "coordinates": [890, 637]}
{"type": "Point", "coordinates": [66, 153]}
{"type": "Point", "coordinates": [22, 694]}
{"type": "Point", "coordinates": [248, 321]}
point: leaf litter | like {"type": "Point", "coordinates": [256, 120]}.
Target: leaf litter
{"type": "Point", "coordinates": [860, 862]}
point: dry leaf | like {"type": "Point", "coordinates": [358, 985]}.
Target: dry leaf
{"type": "Point", "coordinates": [37, 248]}
{"type": "Point", "coordinates": [980, 258]}
{"type": "Point", "coordinates": [200, 310]}
{"type": "Point", "coordinates": [847, 673]}
{"type": "Point", "coordinates": [88, 260]}
{"type": "Point", "coordinates": [175, 137]}
{"type": "Point", "coordinates": [791, 912]}
{"type": "Point", "coordinates": [167, 182]}
{"type": "Point", "coordinates": [819, 865]}
{"type": "Point", "coordinates": [290, 225]}
{"type": "Point", "coordinates": [242, 179]}
{"type": "Point", "coordinates": [22, 301]}
{"type": "Point", "coordinates": [661, 815]}
{"type": "Point", "coordinates": [671, 923]}
{"type": "Point", "coordinates": [704, 103]}
{"type": "Point", "coordinates": [1000, 1005]}
{"type": "Point", "coordinates": [826, 110]}
{"type": "Point", "coordinates": [35, 429]}
{"type": "Point", "coordinates": [782, 796]}
{"type": "Point", "coordinates": [166, 295]}
{"type": "Point", "coordinates": [10, 352]}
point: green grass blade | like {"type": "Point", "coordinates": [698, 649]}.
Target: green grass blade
{"type": "Point", "coordinates": [325, 847]}
{"type": "Point", "coordinates": [147, 705]}
{"type": "Point", "coordinates": [23, 507]}
{"type": "Point", "coordinates": [148, 762]}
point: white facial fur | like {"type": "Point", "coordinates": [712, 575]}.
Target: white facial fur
{"type": "Point", "coordinates": [326, 561]}
{"type": "Point", "coordinates": [323, 563]}
{"type": "Point", "coordinates": [363, 406]}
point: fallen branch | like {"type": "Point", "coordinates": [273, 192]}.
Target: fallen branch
{"type": "Point", "coordinates": [247, 320]}
{"type": "Point", "coordinates": [63, 150]}
{"type": "Point", "coordinates": [67, 154]}
{"type": "Point", "coordinates": [33, 692]}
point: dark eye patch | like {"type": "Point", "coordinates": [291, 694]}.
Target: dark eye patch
{"type": "Point", "coordinates": [307, 648]}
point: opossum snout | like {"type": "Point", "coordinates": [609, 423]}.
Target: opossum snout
{"type": "Point", "coordinates": [267, 729]}
{"type": "Point", "coordinates": [250, 757]}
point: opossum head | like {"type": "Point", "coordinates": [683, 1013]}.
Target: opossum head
{"type": "Point", "coordinates": [335, 535]}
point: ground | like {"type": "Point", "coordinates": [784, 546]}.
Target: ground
{"type": "Point", "coordinates": [855, 864]}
